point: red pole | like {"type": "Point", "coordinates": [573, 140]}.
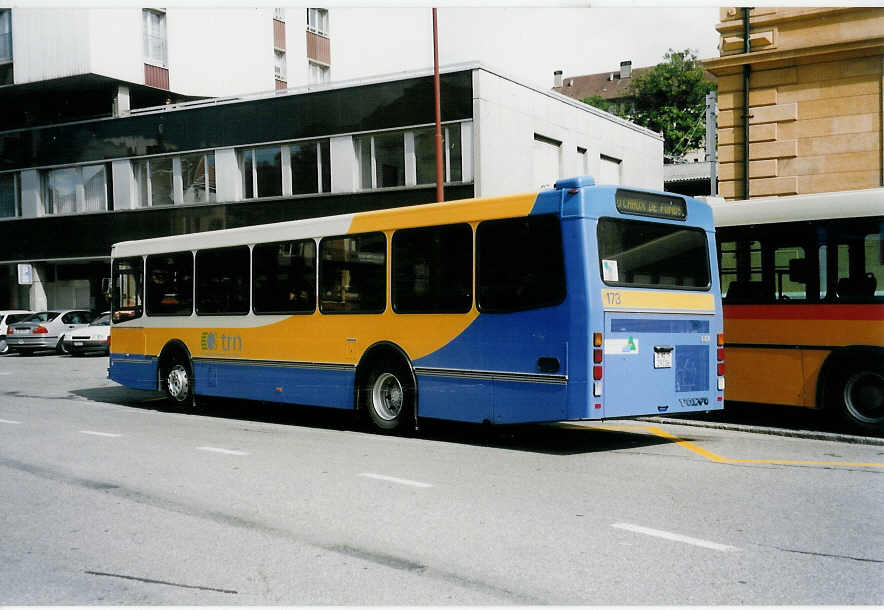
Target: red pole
{"type": "Point", "coordinates": [440, 194]}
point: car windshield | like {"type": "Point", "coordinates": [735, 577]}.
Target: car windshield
{"type": "Point", "coordinates": [43, 316]}
{"type": "Point", "coordinates": [102, 320]}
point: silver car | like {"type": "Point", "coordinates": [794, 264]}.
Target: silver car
{"type": "Point", "coordinates": [7, 318]}
{"type": "Point", "coordinates": [45, 330]}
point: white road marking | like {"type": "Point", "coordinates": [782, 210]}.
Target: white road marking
{"type": "Point", "coordinates": [676, 537]}
{"type": "Point", "coordinates": [381, 477]}
{"type": "Point", "coordinates": [9, 421]}
{"type": "Point", "coordinates": [94, 433]}
{"type": "Point", "coordinates": [225, 451]}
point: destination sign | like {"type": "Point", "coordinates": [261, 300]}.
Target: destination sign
{"type": "Point", "coordinates": [647, 204]}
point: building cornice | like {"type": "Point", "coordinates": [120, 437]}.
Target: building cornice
{"type": "Point", "coordinates": [731, 64]}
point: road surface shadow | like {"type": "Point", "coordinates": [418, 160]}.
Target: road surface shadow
{"type": "Point", "coordinates": [555, 439]}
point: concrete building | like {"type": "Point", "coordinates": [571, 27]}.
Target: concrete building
{"type": "Point", "coordinates": [806, 85]}
{"type": "Point", "coordinates": [68, 191]}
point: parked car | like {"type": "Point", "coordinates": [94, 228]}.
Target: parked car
{"type": "Point", "coordinates": [7, 318]}
{"type": "Point", "coordinates": [93, 338]}
{"type": "Point", "coordinates": [45, 330]}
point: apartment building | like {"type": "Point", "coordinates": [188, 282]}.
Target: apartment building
{"type": "Point", "coordinates": [800, 98]}
{"type": "Point", "coordinates": [62, 64]}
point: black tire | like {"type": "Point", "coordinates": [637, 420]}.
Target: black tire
{"type": "Point", "coordinates": [178, 381]}
{"type": "Point", "coordinates": [855, 388]}
{"type": "Point", "coordinates": [388, 397]}
{"type": "Point", "coordinates": [4, 346]}
{"type": "Point", "coordinates": [60, 348]}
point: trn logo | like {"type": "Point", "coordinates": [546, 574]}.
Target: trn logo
{"type": "Point", "coordinates": [209, 342]}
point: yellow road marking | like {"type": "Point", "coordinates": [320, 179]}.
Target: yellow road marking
{"type": "Point", "coordinates": [714, 457]}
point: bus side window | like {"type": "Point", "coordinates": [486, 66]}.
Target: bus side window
{"type": "Point", "coordinates": [520, 264]}
{"type": "Point", "coordinates": [860, 265]}
{"type": "Point", "coordinates": [285, 277]}
{"type": "Point", "coordinates": [790, 266]}
{"type": "Point", "coordinates": [170, 284]}
{"type": "Point", "coordinates": [352, 273]}
{"type": "Point", "coordinates": [433, 269]}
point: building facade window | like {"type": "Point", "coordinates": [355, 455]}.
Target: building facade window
{"type": "Point", "coordinates": [311, 167]}
{"type": "Point", "coordinates": [157, 180]}
{"type": "Point", "coordinates": [198, 178]}
{"type": "Point", "coordinates": [155, 37]}
{"type": "Point", "coordinates": [5, 46]}
{"type": "Point", "coordinates": [9, 196]}
{"type": "Point", "coordinates": [382, 160]}
{"type": "Point", "coordinates": [318, 73]}
{"type": "Point", "coordinates": [425, 154]}
{"type": "Point", "coordinates": [293, 168]}
{"type": "Point", "coordinates": [317, 21]}
{"type": "Point", "coordinates": [408, 158]}
{"type": "Point", "coordinates": [71, 190]}
{"type": "Point", "coordinates": [279, 65]}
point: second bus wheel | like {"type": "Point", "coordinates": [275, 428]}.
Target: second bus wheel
{"type": "Point", "coordinates": [856, 389]}
{"type": "Point", "coordinates": [388, 398]}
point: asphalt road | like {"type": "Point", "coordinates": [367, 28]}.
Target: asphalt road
{"type": "Point", "coordinates": [110, 496]}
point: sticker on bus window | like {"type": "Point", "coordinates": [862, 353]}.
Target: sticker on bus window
{"type": "Point", "coordinates": [609, 270]}
{"type": "Point", "coordinates": [615, 347]}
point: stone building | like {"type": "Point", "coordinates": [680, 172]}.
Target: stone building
{"type": "Point", "coordinates": [814, 78]}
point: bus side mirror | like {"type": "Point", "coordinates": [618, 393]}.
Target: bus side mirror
{"type": "Point", "coordinates": [106, 287]}
{"type": "Point", "coordinates": [798, 270]}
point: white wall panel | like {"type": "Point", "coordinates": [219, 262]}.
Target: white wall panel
{"type": "Point", "coordinates": [116, 43]}
{"type": "Point", "coordinates": [49, 43]}
{"type": "Point", "coordinates": [218, 52]}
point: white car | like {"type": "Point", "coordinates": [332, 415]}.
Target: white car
{"type": "Point", "coordinates": [93, 338]}
{"type": "Point", "coordinates": [45, 330]}
{"type": "Point", "coordinates": [7, 318]}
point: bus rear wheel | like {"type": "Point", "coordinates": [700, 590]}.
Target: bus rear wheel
{"type": "Point", "coordinates": [857, 391]}
{"type": "Point", "coordinates": [388, 398]}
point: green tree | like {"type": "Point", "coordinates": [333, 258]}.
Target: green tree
{"type": "Point", "coordinates": [598, 101]}
{"type": "Point", "coordinates": [671, 98]}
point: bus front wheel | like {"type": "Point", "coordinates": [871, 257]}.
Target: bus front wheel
{"type": "Point", "coordinates": [178, 381]}
{"type": "Point", "coordinates": [857, 391]}
{"type": "Point", "coordinates": [388, 398]}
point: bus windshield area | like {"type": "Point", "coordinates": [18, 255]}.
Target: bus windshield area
{"type": "Point", "coordinates": [653, 255]}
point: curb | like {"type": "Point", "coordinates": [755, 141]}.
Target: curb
{"type": "Point", "coordinates": [808, 434]}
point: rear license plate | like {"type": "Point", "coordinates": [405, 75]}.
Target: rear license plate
{"type": "Point", "coordinates": [663, 359]}
{"type": "Point", "coordinates": [78, 344]}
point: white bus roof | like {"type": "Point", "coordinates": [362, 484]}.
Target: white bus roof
{"type": "Point", "coordinates": [817, 206]}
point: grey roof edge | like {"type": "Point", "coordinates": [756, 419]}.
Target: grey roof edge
{"type": "Point", "coordinates": [367, 80]}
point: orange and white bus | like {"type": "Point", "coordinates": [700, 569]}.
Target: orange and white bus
{"type": "Point", "coordinates": [802, 281]}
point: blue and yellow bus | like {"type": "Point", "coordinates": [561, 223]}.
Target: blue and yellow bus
{"type": "Point", "coordinates": [579, 302]}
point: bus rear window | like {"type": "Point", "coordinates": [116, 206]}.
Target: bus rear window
{"type": "Point", "coordinates": [652, 255]}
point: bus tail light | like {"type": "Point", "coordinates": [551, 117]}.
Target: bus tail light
{"type": "Point", "coordinates": [597, 373]}
{"type": "Point", "coordinates": [721, 368]}
{"type": "Point", "coordinates": [720, 339]}
{"type": "Point", "coordinates": [41, 330]}
{"type": "Point", "coordinates": [596, 339]}
{"type": "Point", "coordinates": [720, 358]}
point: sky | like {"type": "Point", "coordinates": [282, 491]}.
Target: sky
{"type": "Point", "coordinates": [526, 43]}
